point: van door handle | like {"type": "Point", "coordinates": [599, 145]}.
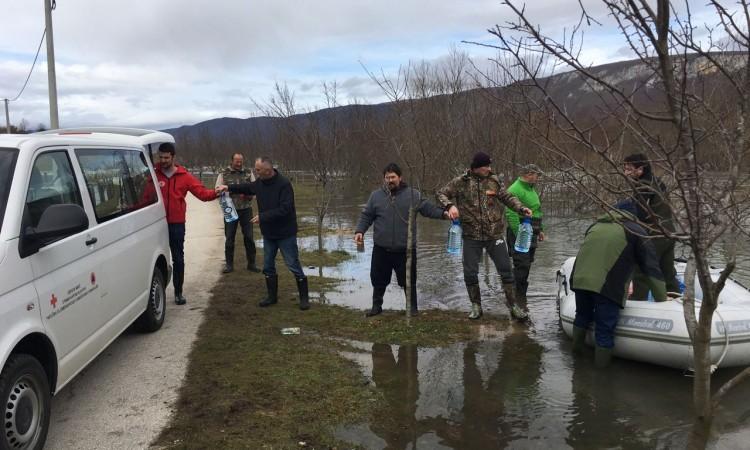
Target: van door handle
{"type": "Point", "coordinates": [91, 241]}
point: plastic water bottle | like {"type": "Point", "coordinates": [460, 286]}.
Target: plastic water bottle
{"type": "Point", "coordinates": [454, 238]}
{"type": "Point", "coordinates": [227, 207]}
{"type": "Point", "coordinates": [523, 240]}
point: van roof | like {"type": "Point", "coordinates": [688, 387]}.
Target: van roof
{"type": "Point", "coordinates": [90, 135]}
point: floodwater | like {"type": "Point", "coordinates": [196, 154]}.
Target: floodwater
{"type": "Point", "coordinates": [520, 388]}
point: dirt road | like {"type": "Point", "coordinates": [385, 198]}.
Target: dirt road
{"type": "Point", "coordinates": [125, 397]}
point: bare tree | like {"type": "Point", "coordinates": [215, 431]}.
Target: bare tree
{"type": "Point", "coordinates": [686, 105]}
{"type": "Point", "coordinates": [318, 139]}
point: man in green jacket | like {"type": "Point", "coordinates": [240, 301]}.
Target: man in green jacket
{"type": "Point", "coordinates": [613, 247]}
{"type": "Point", "coordinates": [524, 190]}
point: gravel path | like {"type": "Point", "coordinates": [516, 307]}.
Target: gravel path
{"type": "Point", "coordinates": [124, 398]}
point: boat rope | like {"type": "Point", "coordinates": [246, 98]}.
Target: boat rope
{"type": "Point", "coordinates": [726, 343]}
{"type": "Point", "coordinates": [726, 338]}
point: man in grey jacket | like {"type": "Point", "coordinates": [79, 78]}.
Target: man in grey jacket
{"type": "Point", "coordinates": [388, 209]}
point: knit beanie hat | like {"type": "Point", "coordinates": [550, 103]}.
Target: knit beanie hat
{"type": "Point", "coordinates": [480, 159]}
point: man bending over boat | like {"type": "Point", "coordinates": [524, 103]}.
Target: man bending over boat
{"type": "Point", "coordinates": [613, 247]}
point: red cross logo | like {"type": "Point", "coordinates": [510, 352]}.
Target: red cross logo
{"type": "Point", "coordinates": [53, 301]}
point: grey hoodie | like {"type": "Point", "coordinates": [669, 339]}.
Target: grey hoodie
{"type": "Point", "coordinates": [389, 211]}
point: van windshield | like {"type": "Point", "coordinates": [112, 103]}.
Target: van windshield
{"type": "Point", "coordinates": [7, 164]}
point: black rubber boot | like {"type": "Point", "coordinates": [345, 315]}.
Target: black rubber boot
{"type": "Point", "coordinates": [304, 295]}
{"type": "Point", "coordinates": [251, 261]}
{"type": "Point", "coordinates": [272, 285]}
{"type": "Point", "coordinates": [602, 357]}
{"type": "Point", "coordinates": [510, 299]}
{"type": "Point", "coordinates": [377, 302]}
{"type": "Point", "coordinates": [579, 340]}
{"type": "Point", "coordinates": [178, 279]}
{"type": "Point", "coordinates": [475, 296]}
{"type": "Point", "coordinates": [229, 260]}
{"type": "Point", "coordinates": [522, 302]}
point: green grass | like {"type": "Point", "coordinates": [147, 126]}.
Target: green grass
{"type": "Point", "coordinates": [249, 386]}
{"type": "Point", "coordinates": [324, 258]}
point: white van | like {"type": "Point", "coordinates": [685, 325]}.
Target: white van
{"type": "Point", "coordinates": [84, 253]}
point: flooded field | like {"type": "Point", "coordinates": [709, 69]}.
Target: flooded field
{"type": "Point", "coordinates": [520, 388]}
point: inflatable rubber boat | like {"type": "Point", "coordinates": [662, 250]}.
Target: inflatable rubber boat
{"type": "Point", "coordinates": [656, 332]}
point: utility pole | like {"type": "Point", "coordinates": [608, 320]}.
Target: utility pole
{"type": "Point", "coordinates": [51, 78]}
{"type": "Point", "coordinates": [7, 117]}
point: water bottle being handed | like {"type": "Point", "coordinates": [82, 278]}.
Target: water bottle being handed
{"type": "Point", "coordinates": [227, 207]}
{"type": "Point", "coordinates": [523, 239]}
{"type": "Point", "coordinates": [454, 238]}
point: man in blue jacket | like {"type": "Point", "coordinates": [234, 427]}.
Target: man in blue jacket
{"type": "Point", "coordinates": [278, 225]}
{"type": "Point", "coordinates": [388, 209]}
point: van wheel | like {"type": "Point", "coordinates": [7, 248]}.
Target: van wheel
{"type": "Point", "coordinates": [153, 317]}
{"type": "Point", "coordinates": [25, 396]}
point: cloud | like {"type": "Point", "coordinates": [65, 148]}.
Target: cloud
{"type": "Point", "coordinates": [170, 62]}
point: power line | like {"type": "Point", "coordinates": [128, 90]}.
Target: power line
{"type": "Point", "coordinates": [32, 67]}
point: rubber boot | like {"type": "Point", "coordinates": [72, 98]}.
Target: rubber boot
{"type": "Point", "coordinates": [602, 357]}
{"type": "Point", "coordinates": [229, 260]}
{"type": "Point", "coordinates": [251, 262]}
{"type": "Point", "coordinates": [272, 285]}
{"type": "Point", "coordinates": [510, 299]}
{"type": "Point", "coordinates": [522, 302]}
{"type": "Point", "coordinates": [377, 302]}
{"type": "Point", "coordinates": [475, 296]}
{"type": "Point", "coordinates": [178, 279]}
{"type": "Point", "coordinates": [304, 295]}
{"type": "Point", "coordinates": [579, 340]}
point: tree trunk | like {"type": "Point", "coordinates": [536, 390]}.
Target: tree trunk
{"type": "Point", "coordinates": [409, 249]}
{"type": "Point", "coordinates": [320, 232]}
{"type": "Point", "coordinates": [702, 381]}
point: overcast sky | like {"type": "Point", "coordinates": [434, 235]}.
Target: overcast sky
{"type": "Point", "coordinates": [165, 63]}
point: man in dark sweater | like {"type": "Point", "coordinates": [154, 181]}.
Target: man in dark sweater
{"type": "Point", "coordinates": [651, 200]}
{"type": "Point", "coordinates": [277, 218]}
{"type": "Point", "coordinates": [388, 208]}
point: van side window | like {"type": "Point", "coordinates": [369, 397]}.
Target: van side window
{"type": "Point", "coordinates": [52, 183]}
{"type": "Point", "coordinates": [118, 181]}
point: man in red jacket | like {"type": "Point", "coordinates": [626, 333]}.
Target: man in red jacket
{"type": "Point", "coordinates": [175, 182]}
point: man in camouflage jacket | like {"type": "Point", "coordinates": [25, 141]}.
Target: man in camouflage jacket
{"type": "Point", "coordinates": [479, 199]}
{"type": "Point", "coordinates": [237, 174]}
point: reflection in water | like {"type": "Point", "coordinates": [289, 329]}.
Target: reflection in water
{"type": "Point", "coordinates": [520, 389]}
{"type": "Point", "coordinates": [482, 394]}
{"type": "Point", "coordinates": [397, 377]}
{"type": "Point", "coordinates": [509, 391]}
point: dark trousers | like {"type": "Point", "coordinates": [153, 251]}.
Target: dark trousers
{"type": "Point", "coordinates": [230, 231]}
{"type": "Point", "coordinates": [665, 255]}
{"type": "Point", "coordinates": [593, 307]}
{"type": "Point", "coordinates": [289, 251]}
{"type": "Point", "coordinates": [521, 262]}
{"type": "Point", "coordinates": [384, 263]}
{"type": "Point", "coordinates": [177, 247]}
{"type": "Point", "coordinates": [498, 253]}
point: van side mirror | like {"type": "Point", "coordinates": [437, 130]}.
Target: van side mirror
{"type": "Point", "coordinates": [57, 222]}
